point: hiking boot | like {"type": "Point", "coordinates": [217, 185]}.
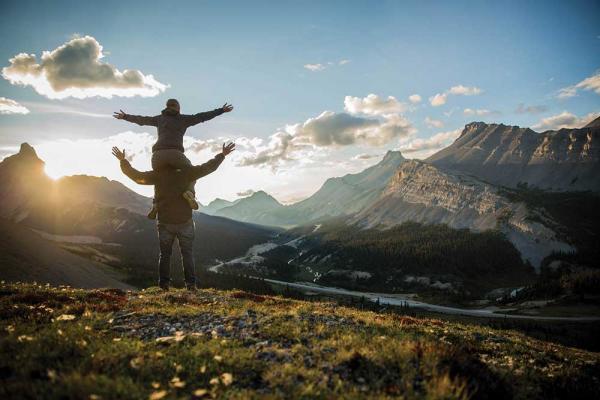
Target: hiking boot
{"type": "Point", "coordinates": [153, 212]}
{"type": "Point", "coordinates": [191, 199]}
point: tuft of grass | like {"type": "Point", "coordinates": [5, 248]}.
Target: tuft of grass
{"type": "Point", "coordinates": [69, 343]}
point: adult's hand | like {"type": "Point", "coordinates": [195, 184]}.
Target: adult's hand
{"type": "Point", "coordinates": [119, 115]}
{"type": "Point", "coordinates": [227, 108]}
{"type": "Point", "coordinates": [228, 148]}
{"type": "Point", "coordinates": [118, 153]}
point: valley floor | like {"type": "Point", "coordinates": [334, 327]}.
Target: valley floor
{"type": "Point", "coordinates": [70, 343]}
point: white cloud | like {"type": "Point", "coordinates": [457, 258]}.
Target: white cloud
{"type": "Point", "coordinates": [303, 142]}
{"type": "Point", "coordinates": [433, 123]}
{"type": "Point", "coordinates": [75, 69]}
{"type": "Point", "coordinates": [589, 83]}
{"type": "Point", "coordinates": [565, 120]}
{"type": "Point", "coordinates": [458, 90]}
{"type": "Point", "coordinates": [414, 98]}
{"type": "Point", "coordinates": [480, 112]}
{"type": "Point", "coordinates": [314, 67]}
{"type": "Point", "coordinates": [461, 90]}
{"type": "Point", "coordinates": [320, 67]}
{"type": "Point", "coordinates": [8, 106]}
{"type": "Point", "coordinates": [421, 148]}
{"type": "Point", "coordinates": [438, 100]}
{"type": "Point", "coordinates": [373, 105]}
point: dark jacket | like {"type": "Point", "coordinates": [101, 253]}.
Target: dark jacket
{"type": "Point", "coordinates": [172, 126]}
{"type": "Point", "coordinates": [170, 184]}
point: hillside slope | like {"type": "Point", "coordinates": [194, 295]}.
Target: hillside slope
{"type": "Point", "coordinates": [112, 344]}
{"type": "Point", "coordinates": [337, 196]}
{"type": "Point", "coordinates": [26, 257]}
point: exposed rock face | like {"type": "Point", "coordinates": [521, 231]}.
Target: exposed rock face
{"type": "Point", "coordinates": [421, 192]}
{"type": "Point", "coordinates": [568, 159]}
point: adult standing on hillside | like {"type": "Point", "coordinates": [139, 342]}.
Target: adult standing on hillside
{"type": "Point", "coordinates": [174, 214]}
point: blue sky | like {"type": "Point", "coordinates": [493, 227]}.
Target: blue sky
{"type": "Point", "coordinates": [253, 54]}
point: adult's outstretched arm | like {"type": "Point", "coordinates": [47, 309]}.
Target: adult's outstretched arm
{"type": "Point", "coordinates": [198, 171]}
{"type": "Point", "coordinates": [141, 177]}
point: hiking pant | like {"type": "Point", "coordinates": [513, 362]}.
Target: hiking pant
{"type": "Point", "coordinates": [184, 233]}
{"type": "Point", "coordinates": [174, 159]}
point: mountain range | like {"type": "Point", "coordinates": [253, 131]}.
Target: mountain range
{"type": "Point", "coordinates": [466, 186]}
{"type": "Point", "coordinates": [485, 181]}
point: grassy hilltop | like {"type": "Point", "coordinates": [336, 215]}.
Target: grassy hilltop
{"type": "Point", "coordinates": [107, 344]}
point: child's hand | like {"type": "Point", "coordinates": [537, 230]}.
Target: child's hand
{"type": "Point", "coordinates": [118, 153]}
{"type": "Point", "coordinates": [227, 107]}
{"type": "Point", "coordinates": [119, 115]}
{"type": "Point", "coordinates": [227, 149]}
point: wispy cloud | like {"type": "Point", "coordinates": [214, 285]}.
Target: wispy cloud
{"type": "Point", "coordinates": [589, 83]}
{"type": "Point", "coordinates": [76, 69]}
{"type": "Point", "coordinates": [50, 108]}
{"type": "Point", "coordinates": [440, 99]}
{"type": "Point", "coordinates": [365, 156]}
{"type": "Point", "coordinates": [9, 106]}
{"type": "Point", "coordinates": [433, 123]}
{"type": "Point", "coordinates": [479, 112]}
{"type": "Point", "coordinates": [314, 67]}
{"type": "Point", "coordinates": [533, 109]}
{"type": "Point", "coordinates": [246, 193]}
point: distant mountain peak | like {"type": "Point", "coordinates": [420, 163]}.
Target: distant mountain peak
{"type": "Point", "coordinates": [26, 158]}
{"type": "Point", "coordinates": [392, 155]}
{"type": "Point", "coordinates": [262, 195]}
{"type": "Point", "coordinates": [27, 150]}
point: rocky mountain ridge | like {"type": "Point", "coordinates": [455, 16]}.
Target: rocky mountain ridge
{"type": "Point", "coordinates": [564, 160]}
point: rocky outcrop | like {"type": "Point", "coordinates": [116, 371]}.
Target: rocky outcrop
{"type": "Point", "coordinates": [423, 193]}
{"type": "Point", "coordinates": [565, 160]}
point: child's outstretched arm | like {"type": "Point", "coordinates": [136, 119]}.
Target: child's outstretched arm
{"type": "Point", "coordinates": [137, 119]}
{"type": "Point", "coordinates": [207, 115]}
